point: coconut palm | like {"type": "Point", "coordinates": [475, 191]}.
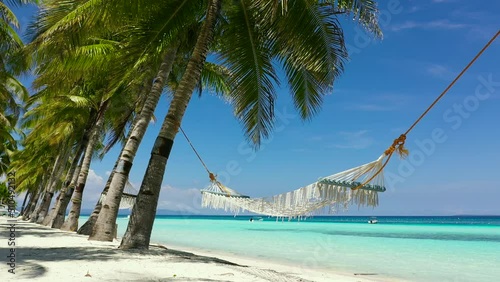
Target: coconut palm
{"type": "Point", "coordinates": [304, 36]}
{"type": "Point", "coordinates": [163, 144]}
{"type": "Point", "coordinates": [77, 60]}
{"type": "Point", "coordinates": [11, 90]}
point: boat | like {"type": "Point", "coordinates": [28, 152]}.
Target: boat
{"type": "Point", "coordinates": [373, 220]}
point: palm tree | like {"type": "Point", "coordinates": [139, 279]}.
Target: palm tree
{"type": "Point", "coordinates": [55, 219]}
{"type": "Point", "coordinates": [305, 38]}
{"type": "Point", "coordinates": [165, 25]}
{"type": "Point", "coordinates": [87, 59]}
{"type": "Point", "coordinates": [11, 90]}
{"type": "Point", "coordinates": [138, 236]}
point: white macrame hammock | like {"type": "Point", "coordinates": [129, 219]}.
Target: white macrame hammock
{"type": "Point", "coordinates": [128, 196]}
{"type": "Point", "coordinates": [356, 186]}
{"type": "Point", "coordinates": [359, 185]}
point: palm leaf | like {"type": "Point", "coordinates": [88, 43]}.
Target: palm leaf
{"type": "Point", "coordinates": [253, 77]}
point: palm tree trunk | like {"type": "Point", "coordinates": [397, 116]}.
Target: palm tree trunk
{"type": "Point", "coordinates": [56, 217]}
{"type": "Point", "coordinates": [32, 203]}
{"type": "Point", "coordinates": [143, 214]}
{"type": "Point", "coordinates": [24, 202]}
{"type": "Point", "coordinates": [106, 221]}
{"type": "Point", "coordinates": [64, 202]}
{"type": "Point", "coordinates": [47, 194]}
{"type": "Point", "coordinates": [88, 226]}
{"type": "Point", "coordinates": [71, 223]}
{"type": "Point", "coordinates": [60, 166]}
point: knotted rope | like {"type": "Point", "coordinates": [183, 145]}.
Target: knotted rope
{"type": "Point", "coordinates": [398, 144]}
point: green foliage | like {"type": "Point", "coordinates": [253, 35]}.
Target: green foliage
{"type": "Point", "coordinates": [4, 193]}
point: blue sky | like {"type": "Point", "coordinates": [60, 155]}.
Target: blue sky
{"type": "Point", "coordinates": [387, 84]}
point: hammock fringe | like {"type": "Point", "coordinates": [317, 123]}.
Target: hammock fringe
{"type": "Point", "coordinates": [334, 192]}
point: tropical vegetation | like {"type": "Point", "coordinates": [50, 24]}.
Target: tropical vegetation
{"type": "Point", "coordinates": [99, 70]}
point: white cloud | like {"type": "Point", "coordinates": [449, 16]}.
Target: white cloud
{"type": "Point", "coordinates": [413, 9]}
{"type": "Point", "coordinates": [436, 24]}
{"type": "Point", "coordinates": [354, 140]}
{"type": "Point", "coordinates": [93, 188]}
{"type": "Point", "coordinates": [171, 198]}
{"type": "Point", "coordinates": [403, 26]}
{"type": "Point", "coordinates": [94, 178]}
{"type": "Point", "coordinates": [382, 102]}
{"type": "Point", "coordinates": [438, 71]}
{"type": "Point", "coordinates": [180, 200]}
{"type": "Point", "coordinates": [371, 107]}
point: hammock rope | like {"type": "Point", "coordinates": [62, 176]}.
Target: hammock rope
{"type": "Point", "coordinates": [129, 196]}
{"type": "Point", "coordinates": [337, 191]}
{"type": "Point", "coordinates": [398, 144]}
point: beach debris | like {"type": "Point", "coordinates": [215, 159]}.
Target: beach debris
{"type": "Point", "coordinates": [88, 274]}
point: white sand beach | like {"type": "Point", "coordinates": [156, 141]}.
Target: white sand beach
{"type": "Point", "coordinates": [44, 254]}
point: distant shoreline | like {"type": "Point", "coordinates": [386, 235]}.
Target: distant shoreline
{"type": "Point", "coordinates": [322, 215]}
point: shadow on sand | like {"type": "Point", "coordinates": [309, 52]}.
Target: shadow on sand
{"type": "Point", "coordinates": [29, 259]}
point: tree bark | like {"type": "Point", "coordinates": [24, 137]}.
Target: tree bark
{"type": "Point", "coordinates": [141, 221]}
{"type": "Point", "coordinates": [106, 221]}
{"type": "Point", "coordinates": [71, 223]}
{"type": "Point", "coordinates": [56, 217]}
{"type": "Point", "coordinates": [32, 203]}
{"type": "Point", "coordinates": [24, 202]}
{"type": "Point", "coordinates": [47, 192]}
{"type": "Point", "coordinates": [60, 166]}
{"type": "Point", "coordinates": [88, 226]}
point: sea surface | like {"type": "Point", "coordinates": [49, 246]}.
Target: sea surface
{"type": "Point", "coordinates": [454, 248]}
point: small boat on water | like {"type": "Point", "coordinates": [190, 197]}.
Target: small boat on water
{"type": "Point", "coordinates": [373, 220]}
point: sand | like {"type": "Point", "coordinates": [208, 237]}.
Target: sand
{"type": "Point", "coordinates": [45, 254]}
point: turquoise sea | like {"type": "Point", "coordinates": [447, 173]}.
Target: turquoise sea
{"type": "Point", "coordinates": [457, 248]}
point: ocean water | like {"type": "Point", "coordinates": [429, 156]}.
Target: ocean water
{"type": "Point", "coordinates": [405, 248]}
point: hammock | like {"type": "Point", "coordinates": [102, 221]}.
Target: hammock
{"type": "Point", "coordinates": [359, 186]}
{"type": "Point", "coordinates": [128, 196]}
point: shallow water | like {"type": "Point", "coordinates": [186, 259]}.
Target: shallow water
{"type": "Point", "coordinates": [407, 248]}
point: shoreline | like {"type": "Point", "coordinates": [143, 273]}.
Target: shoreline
{"type": "Point", "coordinates": [313, 274]}
{"type": "Point", "coordinates": [47, 254]}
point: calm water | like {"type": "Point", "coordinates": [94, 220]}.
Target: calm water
{"type": "Point", "coordinates": [406, 248]}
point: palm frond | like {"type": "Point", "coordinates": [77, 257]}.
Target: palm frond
{"type": "Point", "coordinates": [253, 77]}
{"type": "Point", "coordinates": [363, 11]}
{"type": "Point", "coordinates": [310, 45]}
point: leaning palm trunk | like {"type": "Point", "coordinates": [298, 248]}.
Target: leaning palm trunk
{"type": "Point", "coordinates": [28, 193]}
{"type": "Point", "coordinates": [105, 224]}
{"type": "Point", "coordinates": [88, 226]}
{"type": "Point", "coordinates": [33, 202]}
{"type": "Point", "coordinates": [71, 223]}
{"type": "Point", "coordinates": [60, 166]}
{"type": "Point", "coordinates": [143, 214]}
{"type": "Point", "coordinates": [48, 192]}
{"type": "Point", "coordinates": [56, 217]}
{"type": "Point", "coordinates": [26, 212]}
{"type": "Point", "coordinates": [60, 211]}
